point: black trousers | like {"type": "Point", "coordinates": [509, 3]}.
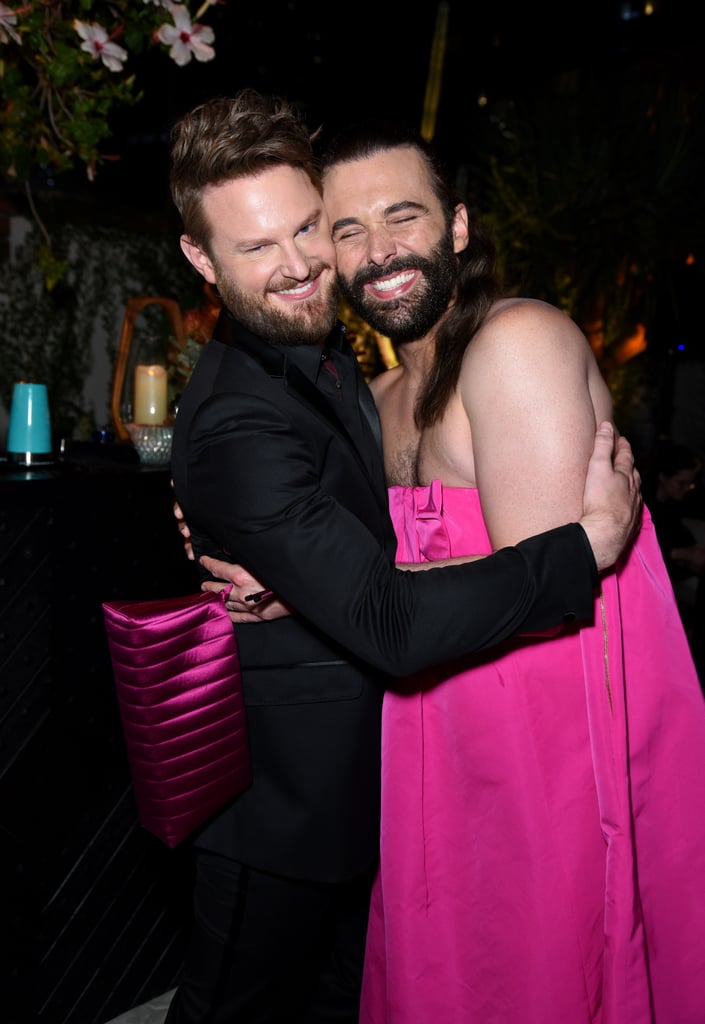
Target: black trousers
{"type": "Point", "coordinates": [271, 950]}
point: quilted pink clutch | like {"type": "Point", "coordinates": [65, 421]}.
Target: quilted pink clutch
{"type": "Point", "coordinates": [177, 675]}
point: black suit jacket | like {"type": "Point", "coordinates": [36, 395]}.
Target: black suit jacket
{"type": "Point", "coordinates": [268, 476]}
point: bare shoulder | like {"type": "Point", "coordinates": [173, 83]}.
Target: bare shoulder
{"type": "Point", "coordinates": [521, 319]}
{"type": "Point", "coordinates": [527, 347]}
{"type": "Point", "coordinates": [518, 332]}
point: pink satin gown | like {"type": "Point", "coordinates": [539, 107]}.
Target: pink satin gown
{"type": "Point", "coordinates": [543, 813]}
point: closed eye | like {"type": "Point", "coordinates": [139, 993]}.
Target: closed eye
{"type": "Point", "coordinates": [404, 212]}
{"type": "Point", "coordinates": [400, 221]}
{"type": "Point", "coordinates": [349, 232]}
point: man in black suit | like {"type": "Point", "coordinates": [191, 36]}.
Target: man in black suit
{"type": "Point", "coordinates": [277, 465]}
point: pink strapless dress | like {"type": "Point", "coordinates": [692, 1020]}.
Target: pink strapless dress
{"type": "Point", "coordinates": [543, 813]}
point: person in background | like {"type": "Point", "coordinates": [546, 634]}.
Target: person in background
{"type": "Point", "coordinates": [543, 805]}
{"type": "Point", "coordinates": [677, 473]}
{"type": "Point", "coordinates": [670, 486]}
{"type": "Point", "coordinates": [276, 463]}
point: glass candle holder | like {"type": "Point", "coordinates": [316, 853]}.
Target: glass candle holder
{"type": "Point", "coordinates": [152, 443]}
{"type": "Point", "coordinates": [140, 392]}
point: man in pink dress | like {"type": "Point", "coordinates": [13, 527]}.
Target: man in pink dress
{"type": "Point", "coordinates": [543, 804]}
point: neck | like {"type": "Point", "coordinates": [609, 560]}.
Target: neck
{"type": "Point", "coordinates": [416, 357]}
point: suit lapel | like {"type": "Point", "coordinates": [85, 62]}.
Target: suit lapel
{"type": "Point", "coordinates": [369, 410]}
{"type": "Point", "coordinates": [273, 360]}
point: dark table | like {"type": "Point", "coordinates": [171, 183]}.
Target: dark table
{"type": "Point", "coordinates": [94, 907]}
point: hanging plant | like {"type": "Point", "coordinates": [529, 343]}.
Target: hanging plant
{"type": "Point", "coordinates": [64, 68]}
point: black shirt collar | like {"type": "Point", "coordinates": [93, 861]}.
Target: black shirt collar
{"type": "Point", "coordinates": [307, 358]}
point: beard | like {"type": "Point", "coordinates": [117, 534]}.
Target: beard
{"type": "Point", "coordinates": [410, 317]}
{"type": "Point", "coordinates": [309, 322]}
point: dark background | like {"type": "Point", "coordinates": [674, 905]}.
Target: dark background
{"type": "Point", "coordinates": [629, 191]}
{"type": "Point", "coordinates": [343, 62]}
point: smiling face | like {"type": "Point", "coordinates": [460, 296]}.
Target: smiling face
{"type": "Point", "coordinates": [270, 255]}
{"type": "Point", "coordinates": [396, 252]}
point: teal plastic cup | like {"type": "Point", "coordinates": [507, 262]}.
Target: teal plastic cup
{"type": "Point", "coordinates": [29, 428]}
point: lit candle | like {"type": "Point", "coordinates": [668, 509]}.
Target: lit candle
{"type": "Point", "coordinates": [150, 394]}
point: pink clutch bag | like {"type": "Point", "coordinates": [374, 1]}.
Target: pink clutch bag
{"type": "Point", "coordinates": [179, 689]}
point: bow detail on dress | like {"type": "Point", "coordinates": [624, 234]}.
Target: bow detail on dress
{"type": "Point", "coordinates": [433, 539]}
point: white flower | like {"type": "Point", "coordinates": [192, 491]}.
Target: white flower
{"type": "Point", "coordinates": [8, 18]}
{"type": "Point", "coordinates": [184, 39]}
{"type": "Point", "coordinates": [97, 43]}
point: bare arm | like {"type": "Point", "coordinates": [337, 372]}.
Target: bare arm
{"type": "Point", "coordinates": [525, 390]}
{"type": "Point", "coordinates": [532, 392]}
